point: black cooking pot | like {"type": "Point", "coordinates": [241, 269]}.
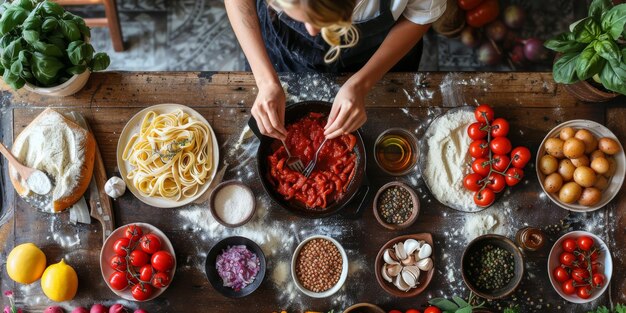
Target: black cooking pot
{"type": "Point", "coordinates": [357, 189]}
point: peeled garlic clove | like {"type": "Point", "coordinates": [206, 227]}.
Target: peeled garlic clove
{"type": "Point", "coordinates": [410, 260]}
{"type": "Point", "coordinates": [401, 284]}
{"type": "Point", "coordinates": [411, 245]}
{"type": "Point", "coordinates": [425, 264]}
{"type": "Point", "coordinates": [400, 252]}
{"type": "Point", "coordinates": [425, 251]}
{"type": "Point", "coordinates": [393, 270]}
{"type": "Point", "coordinates": [414, 270]}
{"type": "Point", "coordinates": [390, 257]}
{"type": "Point", "coordinates": [383, 273]}
{"type": "Point", "coordinates": [409, 278]}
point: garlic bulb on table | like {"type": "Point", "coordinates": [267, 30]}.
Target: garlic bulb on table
{"type": "Point", "coordinates": [115, 187]}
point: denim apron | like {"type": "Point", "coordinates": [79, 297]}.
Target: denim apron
{"type": "Point", "coordinates": [292, 49]}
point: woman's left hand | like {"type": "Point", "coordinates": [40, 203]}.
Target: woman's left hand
{"type": "Point", "coordinates": [348, 111]}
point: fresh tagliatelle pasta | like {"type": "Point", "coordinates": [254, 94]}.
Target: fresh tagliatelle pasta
{"type": "Point", "coordinates": [171, 155]}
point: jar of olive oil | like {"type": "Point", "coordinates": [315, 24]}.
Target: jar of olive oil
{"type": "Point", "coordinates": [396, 151]}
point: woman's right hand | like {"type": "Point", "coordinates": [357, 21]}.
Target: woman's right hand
{"type": "Point", "coordinates": [269, 110]}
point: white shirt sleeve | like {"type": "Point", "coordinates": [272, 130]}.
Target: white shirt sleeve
{"type": "Point", "coordinates": [424, 11]}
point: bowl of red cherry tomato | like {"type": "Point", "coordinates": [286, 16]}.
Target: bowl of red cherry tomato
{"type": "Point", "coordinates": [580, 266]}
{"type": "Point", "coordinates": [137, 262]}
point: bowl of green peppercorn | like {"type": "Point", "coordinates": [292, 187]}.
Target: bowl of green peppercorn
{"type": "Point", "coordinates": [492, 266]}
{"type": "Point", "coordinates": [396, 205]}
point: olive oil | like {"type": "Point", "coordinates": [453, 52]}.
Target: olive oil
{"type": "Point", "coordinates": [396, 151]}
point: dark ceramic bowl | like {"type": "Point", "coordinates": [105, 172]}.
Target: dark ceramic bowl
{"type": "Point", "coordinates": [216, 280]}
{"type": "Point", "coordinates": [412, 218]}
{"type": "Point", "coordinates": [501, 242]}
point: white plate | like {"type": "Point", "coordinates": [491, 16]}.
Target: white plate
{"type": "Point", "coordinates": [615, 183]}
{"type": "Point", "coordinates": [342, 277]}
{"type": "Point", "coordinates": [133, 126]}
{"type": "Point", "coordinates": [605, 259]}
{"type": "Point", "coordinates": [107, 253]}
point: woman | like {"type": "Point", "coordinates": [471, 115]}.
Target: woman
{"type": "Point", "coordinates": [368, 37]}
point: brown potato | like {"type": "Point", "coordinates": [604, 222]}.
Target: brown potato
{"type": "Point", "coordinates": [600, 165]}
{"type": "Point", "coordinates": [570, 192]}
{"type": "Point", "coordinates": [566, 169]}
{"type": "Point", "coordinates": [591, 143]}
{"type": "Point", "coordinates": [601, 182]}
{"type": "Point", "coordinates": [596, 154]}
{"type": "Point", "coordinates": [553, 183]}
{"type": "Point", "coordinates": [548, 164]}
{"type": "Point", "coordinates": [584, 176]}
{"type": "Point", "coordinates": [608, 145]}
{"type": "Point", "coordinates": [590, 196]}
{"type": "Point", "coordinates": [612, 167]}
{"type": "Point", "coordinates": [567, 133]}
{"type": "Point", "coordinates": [582, 161]}
{"type": "Point", "coordinates": [554, 147]}
{"type": "Point", "coordinates": [573, 148]}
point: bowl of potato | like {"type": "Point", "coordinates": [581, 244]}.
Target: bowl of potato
{"type": "Point", "coordinates": [581, 165]}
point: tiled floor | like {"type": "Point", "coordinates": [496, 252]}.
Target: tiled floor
{"type": "Point", "coordinates": [180, 35]}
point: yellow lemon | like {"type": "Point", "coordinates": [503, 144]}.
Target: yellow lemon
{"type": "Point", "coordinates": [26, 263]}
{"type": "Point", "coordinates": [59, 282]}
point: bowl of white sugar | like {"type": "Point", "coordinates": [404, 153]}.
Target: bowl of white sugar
{"type": "Point", "coordinates": [232, 203]}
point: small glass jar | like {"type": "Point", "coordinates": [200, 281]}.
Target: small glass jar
{"type": "Point", "coordinates": [530, 238]}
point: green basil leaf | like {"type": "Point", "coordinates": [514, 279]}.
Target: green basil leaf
{"type": "Point", "coordinates": [598, 7]}
{"type": "Point", "coordinates": [620, 308]}
{"type": "Point", "coordinates": [12, 51]}
{"type": "Point", "coordinates": [78, 69]}
{"type": "Point", "coordinates": [30, 36]}
{"type": "Point", "coordinates": [25, 4]}
{"type": "Point", "coordinates": [84, 30]}
{"type": "Point", "coordinates": [24, 57]}
{"type": "Point", "coordinates": [88, 51]}
{"type": "Point", "coordinates": [48, 49]}
{"type": "Point", "coordinates": [45, 68]}
{"type": "Point", "coordinates": [52, 8]}
{"type": "Point", "coordinates": [614, 77]}
{"type": "Point", "coordinates": [6, 62]}
{"type": "Point", "coordinates": [69, 30]}
{"type": "Point", "coordinates": [589, 63]}
{"type": "Point", "coordinates": [27, 75]}
{"type": "Point", "coordinates": [613, 21]}
{"type": "Point", "coordinates": [564, 70]}
{"type": "Point", "coordinates": [18, 84]}
{"type": "Point", "coordinates": [9, 77]}
{"type": "Point", "coordinates": [564, 43]}
{"type": "Point", "coordinates": [100, 62]}
{"type": "Point", "coordinates": [608, 49]}
{"type": "Point", "coordinates": [59, 42]}
{"type": "Point", "coordinates": [11, 18]}
{"type": "Point", "coordinates": [444, 304]}
{"type": "Point", "coordinates": [32, 22]}
{"type": "Point", "coordinates": [17, 67]}
{"type": "Point", "coordinates": [460, 301]}
{"type": "Point", "coordinates": [6, 40]}
{"type": "Point", "coordinates": [50, 24]}
{"type": "Point", "coordinates": [467, 309]}
{"type": "Point", "coordinates": [587, 30]}
{"type": "Point", "coordinates": [75, 53]}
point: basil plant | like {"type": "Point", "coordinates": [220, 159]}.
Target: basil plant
{"type": "Point", "coordinates": [44, 45]}
{"type": "Point", "coordinates": [595, 47]}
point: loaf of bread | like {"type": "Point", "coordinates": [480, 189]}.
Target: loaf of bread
{"type": "Point", "coordinates": [60, 148]}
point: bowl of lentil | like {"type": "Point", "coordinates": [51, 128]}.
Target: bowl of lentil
{"type": "Point", "coordinates": [396, 206]}
{"type": "Point", "coordinates": [424, 278]}
{"type": "Point", "coordinates": [319, 266]}
{"type": "Point", "coordinates": [364, 308]}
{"type": "Point", "coordinates": [492, 266]}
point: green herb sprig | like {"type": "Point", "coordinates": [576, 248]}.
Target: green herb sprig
{"type": "Point", "coordinates": [458, 304]}
{"type": "Point", "coordinates": [620, 308]}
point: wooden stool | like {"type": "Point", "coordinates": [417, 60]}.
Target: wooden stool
{"type": "Point", "coordinates": [111, 19]}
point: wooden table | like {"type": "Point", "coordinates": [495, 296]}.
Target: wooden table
{"type": "Point", "coordinates": [532, 102]}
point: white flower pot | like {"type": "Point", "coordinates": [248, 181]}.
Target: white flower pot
{"type": "Point", "coordinates": [68, 88]}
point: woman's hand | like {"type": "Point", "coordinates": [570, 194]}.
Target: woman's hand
{"type": "Point", "coordinates": [348, 112]}
{"type": "Point", "coordinates": [269, 110]}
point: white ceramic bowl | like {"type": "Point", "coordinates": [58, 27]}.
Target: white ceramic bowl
{"type": "Point", "coordinates": [107, 253]}
{"type": "Point", "coordinates": [605, 259]}
{"type": "Point", "coordinates": [342, 277]}
{"type": "Point", "coordinates": [615, 183]}
{"type": "Point", "coordinates": [68, 88]}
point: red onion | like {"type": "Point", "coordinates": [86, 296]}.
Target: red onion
{"type": "Point", "coordinates": [488, 54]}
{"type": "Point", "coordinates": [496, 30]}
{"type": "Point", "coordinates": [80, 309]}
{"type": "Point", "coordinates": [117, 308]}
{"type": "Point", "coordinates": [534, 50]}
{"type": "Point", "coordinates": [470, 37]}
{"type": "Point", "coordinates": [514, 16]}
{"type": "Point", "coordinates": [140, 311]}
{"type": "Point", "coordinates": [54, 309]}
{"type": "Point", "coordinates": [98, 308]}
{"type": "Point", "coordinates": [237, 266]}
{"type": "Point", "coordinates": [517, 56]}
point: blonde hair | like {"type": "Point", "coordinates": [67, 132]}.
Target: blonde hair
{"type": "Point", "coordinates": [333, 17]}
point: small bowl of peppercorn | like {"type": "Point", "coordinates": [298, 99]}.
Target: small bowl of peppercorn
{"type": "Point", "coordinates": [319, 266]}
{"type": "Point", "coordinates": [396, 206]}
{"type": "Point", "coordinates": [492, 266]}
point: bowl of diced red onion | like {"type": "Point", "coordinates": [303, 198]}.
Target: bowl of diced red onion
{"type": "Point", "coordinates": [235, 266]}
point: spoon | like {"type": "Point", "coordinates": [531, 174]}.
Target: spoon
{"type": "Point", "coordinates": [37, 181]}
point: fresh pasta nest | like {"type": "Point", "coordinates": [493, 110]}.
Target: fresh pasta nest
{"type": "Point", "coordinates": [171, 155]}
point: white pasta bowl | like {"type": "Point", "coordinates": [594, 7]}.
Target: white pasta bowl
{"type": "Point", "coordinates": [615, 182]}
{"type": "Point", "coordinates": [133, 126]}
{"type": "Point", "coordinates": [342, 277]}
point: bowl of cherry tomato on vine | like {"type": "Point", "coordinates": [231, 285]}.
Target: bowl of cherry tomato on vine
{"type": "Point", "coordinates": [428, 309]}
{"type": "Point", "coordinates": [580, 267]}
{"type": "Point", "coordinates": [137, 262]}
{"type": "Point", "coordinates": [496, 164]}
